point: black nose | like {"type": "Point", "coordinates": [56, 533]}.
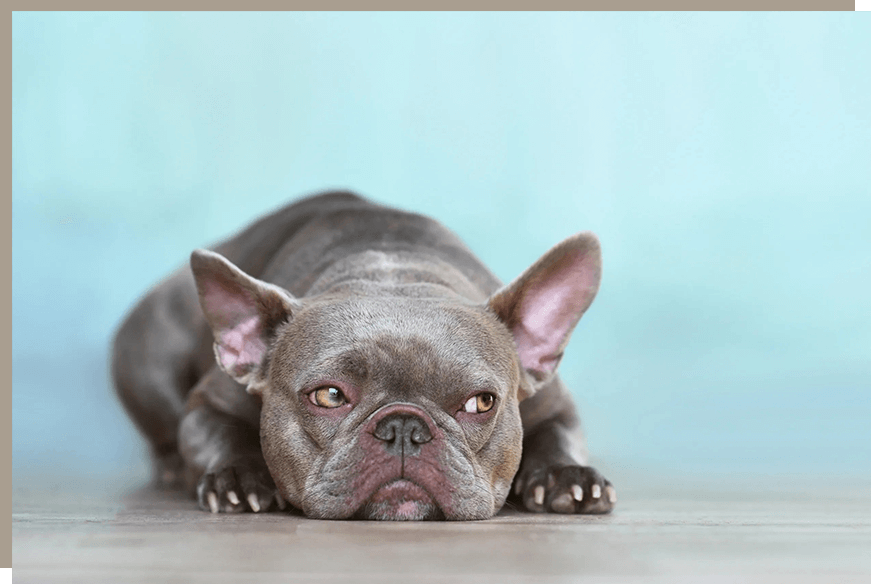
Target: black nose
{"type": "Point", "coordinates": [402, 434]}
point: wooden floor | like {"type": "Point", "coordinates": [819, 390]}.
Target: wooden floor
{"type": "Point", "coordinates": [784, 532]}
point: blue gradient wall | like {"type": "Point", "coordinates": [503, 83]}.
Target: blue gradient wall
{"type": "Point", "coordinates": [721, 158]}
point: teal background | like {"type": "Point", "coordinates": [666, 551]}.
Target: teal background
{"type": "Point", "coordinates": [723, 159]}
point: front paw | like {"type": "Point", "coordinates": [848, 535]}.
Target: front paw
{"type": "Point", "coordinates": [242, 485]}
{"type": "Point", "coordinates": [565, 489]}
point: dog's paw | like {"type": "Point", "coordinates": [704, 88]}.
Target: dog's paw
{"type": "Point", "coordinates": [565, 489]}
{"type": "Point", "coordinates": [243, 485]}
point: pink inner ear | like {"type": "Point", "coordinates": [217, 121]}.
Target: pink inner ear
{"type": "Point", "coordinates": [238, 328]}
{"type": "Point", "coordinates": [241, 348]}
{"type": "Point", "coordinates": [549, 310]}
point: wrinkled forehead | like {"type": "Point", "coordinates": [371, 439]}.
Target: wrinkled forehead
{"type": "Point", "coordinates": [421, 340]}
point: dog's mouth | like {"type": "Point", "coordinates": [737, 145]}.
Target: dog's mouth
{"type": "Point", "coordinates": [400, 500]}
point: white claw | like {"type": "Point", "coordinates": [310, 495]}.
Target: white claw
{"type": "Point", "coordinates": [538, 495]}
{"type": "Point", "coordinates": [577, 493]}
{"type": "Point", "coordinates": [612, 494]}
{"type": "Point", "coordinates": [280, 501]}
{"type": "Point", "coordinates": [596, 491]}
{"type": "Point", "coordinates": [212, 498]}
{"type": "Point", "coordinates": [231, 496]}
{"type": "Point", "coordinates": [255, 504]}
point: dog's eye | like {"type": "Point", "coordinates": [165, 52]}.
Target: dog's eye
{"type": "Point", "coordinates": [478, 404]}
{"type": "Point", "coordinates": [327, 397]}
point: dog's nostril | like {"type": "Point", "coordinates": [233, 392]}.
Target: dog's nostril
{"type": "Point", "coordinates": [420, 435]}
{"type": "Point", "coordinates": [386, 431]}
{"type": "Point", "coordinates": [402, 434]}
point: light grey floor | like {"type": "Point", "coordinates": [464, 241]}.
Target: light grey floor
{"type": "Point", "coordinates": [773, 530]}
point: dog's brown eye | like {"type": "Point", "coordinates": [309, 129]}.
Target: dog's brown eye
{"type": "Point", "coordinates": [478, 404]}
{"type": "Point", "coordinates": [327, 397]}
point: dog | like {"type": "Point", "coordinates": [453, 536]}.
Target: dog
{"type": "Point", "coordinates": [357, 361]}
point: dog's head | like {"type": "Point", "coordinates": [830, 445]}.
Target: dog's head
{"type": "Point", "coordinates": [385, 402]}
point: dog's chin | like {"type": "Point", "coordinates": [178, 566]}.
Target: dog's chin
{"type": "Point", "coordinates": [400, 500]}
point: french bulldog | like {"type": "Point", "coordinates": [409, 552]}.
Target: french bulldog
{"type": "Point", "coordinates": [358, 362]}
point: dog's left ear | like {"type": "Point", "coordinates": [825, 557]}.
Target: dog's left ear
{"type": "Point", "coordinates": [243, 313]}
{"type": "Point", "coordinates": [543, 305]}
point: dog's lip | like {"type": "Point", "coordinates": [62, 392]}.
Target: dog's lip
{"type": "Point", "coordinates": [400, 490]}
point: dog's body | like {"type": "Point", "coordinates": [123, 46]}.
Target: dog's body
{"type": "Point", "coordinates": [388, 374]}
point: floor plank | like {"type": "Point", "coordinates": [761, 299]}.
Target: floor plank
{"type": "Point", "coordinates": [81, 532]}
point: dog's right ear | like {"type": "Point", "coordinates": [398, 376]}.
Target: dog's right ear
{"type": "Point", "coordinates": [544, 304]}
{"type": "Point", "coordinates": [243, 313]}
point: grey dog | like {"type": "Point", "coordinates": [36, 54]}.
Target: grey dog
{"type": "Point", "coordinates": [358, 361]}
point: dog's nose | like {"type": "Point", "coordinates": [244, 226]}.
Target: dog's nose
{"type": "Point", "coordinates": [402, 434]}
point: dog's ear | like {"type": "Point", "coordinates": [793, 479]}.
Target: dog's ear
{"type": "Point", "coordinates": [543, 305]}
{"type": "Point", "coordinates": [243, 313]}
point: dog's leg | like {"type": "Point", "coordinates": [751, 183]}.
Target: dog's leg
{"type": "Point", "coordinates": [541, 308]}
{"type": "Point", "coordinates": [155, 363]}
{"type": "Point", "coordinates": [225, 463]}
{"type": "Point", "coordinates": [553, 474]}
{"type": "Point", "coordinates": [164, 345]}
{"type": "Point", "coordinates": [219, 441]}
